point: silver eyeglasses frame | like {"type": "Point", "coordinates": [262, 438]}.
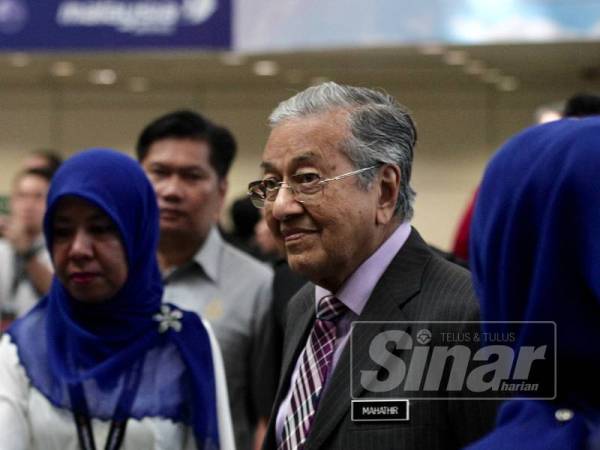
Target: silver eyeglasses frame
{"type": "Point", "coordinates": [259, 201]}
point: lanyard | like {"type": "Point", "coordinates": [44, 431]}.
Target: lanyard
{"type": "Point", "coordinates": [86, 436]}
{"type": "Point", "coordinates": [118, 425]}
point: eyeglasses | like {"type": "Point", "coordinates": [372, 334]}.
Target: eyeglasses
{"type": "Point", "coordinates": [304, 186]}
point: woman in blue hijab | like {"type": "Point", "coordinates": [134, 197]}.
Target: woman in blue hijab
{"type": "Point", "coordinates": [535, 256]}
{"type": "Point", "coordinates": [100, 362]}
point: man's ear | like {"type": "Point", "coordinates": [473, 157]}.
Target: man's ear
{"type": "Point", "coordinates": [389, 189]}
{"type": "Point", "coordinates": [222, 186]}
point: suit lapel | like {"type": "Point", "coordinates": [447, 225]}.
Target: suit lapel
{"type": "Point", "coordinates": [300, 317]}
{"type": "Point", "coordinates": [399, 284]}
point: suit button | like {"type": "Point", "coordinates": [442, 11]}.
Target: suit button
{"type": "Point", "coordinates": [564, 414]}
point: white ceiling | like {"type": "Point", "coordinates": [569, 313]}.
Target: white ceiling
{"type": "Point", "coordinates": [572, 65]}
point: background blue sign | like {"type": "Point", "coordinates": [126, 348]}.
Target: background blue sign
{"type": "Point", "coordinates": [110, 24]}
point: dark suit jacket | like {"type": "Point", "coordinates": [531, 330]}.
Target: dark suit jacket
{"type": "Point", "coordinates": [417, 286]}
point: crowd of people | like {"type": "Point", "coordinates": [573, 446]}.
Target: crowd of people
{"type": "Point", "coordinates": [130, 320]}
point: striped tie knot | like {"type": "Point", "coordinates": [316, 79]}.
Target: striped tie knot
{"type": "Point", "coordinates": [330, 308]}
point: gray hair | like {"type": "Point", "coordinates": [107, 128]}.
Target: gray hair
{"type": "Point", "coordinates": [381, 130]}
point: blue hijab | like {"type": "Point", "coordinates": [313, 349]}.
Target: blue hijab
{"type": "Point", "coordinates": [132, 356]}
{"type": "Point", "coordinates": [535, 256]}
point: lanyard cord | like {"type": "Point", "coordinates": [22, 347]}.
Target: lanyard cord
{"type": "Point", "coordinates": [86, 436]}
{"type": "Point", "coordinates": [118, 425]}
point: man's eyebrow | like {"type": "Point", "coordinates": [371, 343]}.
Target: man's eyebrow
{"type": "Point", "coordinates": [303, 158]}
{"type": "Point", "coordinates": [175, 167]}
{"type": "Point", "coordinates": [267, 166]}
{"type": "Point", "coordinates": [306, 157]}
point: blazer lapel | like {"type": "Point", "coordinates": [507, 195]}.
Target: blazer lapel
{"type": "Point", "coordinates": [400, 282]}
{"type": "Point", "coordinates": [302, 312]}
{"type": "Point", "coordinates": [300, 316]}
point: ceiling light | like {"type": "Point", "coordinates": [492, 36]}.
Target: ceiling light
{"type": "Point", "coordinates": [314, 81]}
{"type": "Point", "coordinates": [103, 76]}
{"type": "Point", "coordinates": [19, 59]}
{"type": "Point", "coordinates": [266, 68]}
{"type": "Point", "coordinates": [294, 76]}
{"type": "Point", "coordinates": [62, 69]}
{"type": "Point", "coordinates": [508, 84]}
{"type": "Point", "coordinates": [138, 84]}
{"type": "Point", "coordinates": [431, 49]}
{"type": "Point", "coordinates": [491, 76]}
{"type": "Point", "coordinates": [233, 59]}
{"type": "Point", "coordinates": [475, 67]}
{"type": "Point", "coordinates": [455, 57]}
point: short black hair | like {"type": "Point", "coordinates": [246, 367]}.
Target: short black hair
{"type": "Point", "coordinates": [582, 105]}
{"type": "Point", "coordinates": [41, 172]}
{"type": "Point", "coordinates": [185, 124]}
{"type": "Point", "coordinates": [244, 216]}
{"type": "Point", "coordinates": [52, 157]}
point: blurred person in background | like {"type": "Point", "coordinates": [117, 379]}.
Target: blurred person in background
{"type": "Point", "coordinates": [44, 159]}
{"type": "Point", "coordinates": [187, 159]}
{"type": "Point", "coordinates": [582, 105]}
{"type": "Point", "coordinates": [244, 218]}
{"type": "Point", "coordinates": [47, 159]}
{"type": "Point", "coordinates": [266, 242]}
{"type": "Point", "coordinates": [25, 268]}
{"type": "Point", "coordinates": [535, 256]}
{"type": "Point", "coordinates": [100, 359]}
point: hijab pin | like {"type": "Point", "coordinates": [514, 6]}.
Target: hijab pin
{"type": "Point", "coordinates": [168, 318]}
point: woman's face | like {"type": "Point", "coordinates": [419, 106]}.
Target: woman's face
{"type": "Point", "coordinates": [87, 251]}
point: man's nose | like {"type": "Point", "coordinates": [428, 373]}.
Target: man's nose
{"type": "Point", "coordinates": [170, 188]}
{"type": "Point", "coordinates": [285, 203]}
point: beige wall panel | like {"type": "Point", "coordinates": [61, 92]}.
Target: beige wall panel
{"type": "Point", "coordinates": [27, 123]}
{"type": "Point", "coordinates": [451, 152]}
{"type": "Point", "coordinates": [458, 130]}
{"type": "Point", "coordinates": [114, 119]}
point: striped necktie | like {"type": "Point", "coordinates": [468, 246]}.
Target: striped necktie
{"type": "Point", "coordinates": [315, 361]}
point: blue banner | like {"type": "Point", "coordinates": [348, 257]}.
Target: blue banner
{"type": "Point", "coordinates": [114, 24]}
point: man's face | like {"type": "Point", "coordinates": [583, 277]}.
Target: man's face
{"type": "Point", "coordinates": [28, 202]}
{"type": "Point", "coordinates": [189, 192]}
{"type": "Point", "coordinates": [328, 237]}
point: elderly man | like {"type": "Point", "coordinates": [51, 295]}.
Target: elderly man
{"type": "Point", "coordinates": [336, 192]}
{"type": "Point", "coordinates": [187, 159]}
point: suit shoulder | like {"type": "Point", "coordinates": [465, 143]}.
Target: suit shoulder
{"type": "Point", "coordinates": [299, 300]}
{"type": "Point", "coordinates": [450, 285]}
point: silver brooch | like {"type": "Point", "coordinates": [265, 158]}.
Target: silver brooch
{"type": "Point", "coordinates": [168, 318]}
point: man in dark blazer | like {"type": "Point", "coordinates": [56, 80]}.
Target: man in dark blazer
{"type": "Point", "coordinates": [336, 192]}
